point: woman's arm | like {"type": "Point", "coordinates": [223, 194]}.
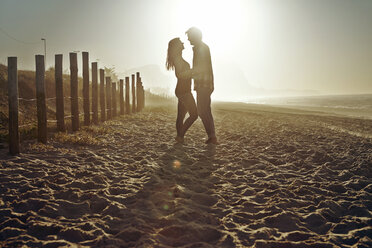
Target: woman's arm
{"type": "Point", "coordinates": [185, 74]}
{"type": "Point", "coordinates": [183, 71]}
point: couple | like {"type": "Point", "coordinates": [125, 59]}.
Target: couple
{"type": "Point", "coordinates": [202, 74]}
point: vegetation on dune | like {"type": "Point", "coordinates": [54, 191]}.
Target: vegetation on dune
{"type": "Point", "coordinates": [27, 107]}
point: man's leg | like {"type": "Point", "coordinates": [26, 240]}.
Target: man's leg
{"type": "Point", "coordinates": [203, 97]}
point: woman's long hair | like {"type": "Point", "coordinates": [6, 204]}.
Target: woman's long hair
{"type": "Point", "coordinates": [169, 64]}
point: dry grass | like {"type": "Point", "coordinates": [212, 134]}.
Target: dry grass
{"type": "Point", "coordinates": [82, 138]}
{"type": "Point", "coordinates": [86, 136]}
{"type": "Point", "coordinates": [40, 147]}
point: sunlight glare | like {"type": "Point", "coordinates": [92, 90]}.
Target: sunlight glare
{"type": "Point", "coordinates": [219, 20]}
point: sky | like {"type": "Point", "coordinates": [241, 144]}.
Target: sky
{"type": "Point", "coordinates": [257, 46]}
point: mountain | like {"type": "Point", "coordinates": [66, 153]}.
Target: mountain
{"type": "Point", "coordinates": [230, 83]}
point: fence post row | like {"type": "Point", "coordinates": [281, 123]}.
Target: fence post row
{"type": "Point", "coordinates": [74, 92]}
{"type": "Point", "coordinates": [86, 105]}
{"type": "Point", "coordinates": [127, 100]}
{"type": "Point", "coordinates": [121, 96]}
{"type": "Point", "coordinates": [60, 107]}
{"type": "Point", "coordinates": [13, 106]}
{"type": "Point", "coordinates": [94, 93]}
{"type": "Point", "coordinates": [40, 99]}
{"type": "Point", "coordinates": [108, 97]}
{"type": "Point", "coordinates": [102, 94]}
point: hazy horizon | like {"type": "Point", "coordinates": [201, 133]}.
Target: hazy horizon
{"type": "Point", "coordinates": [295, 46]}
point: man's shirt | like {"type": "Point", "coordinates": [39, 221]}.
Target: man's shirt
{"type": "Point", "coordinates": [202, 67]}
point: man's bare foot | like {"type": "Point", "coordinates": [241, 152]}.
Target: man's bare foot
{"type": "Point", "coordinates": [179, 139]}
{"type": "Point", "coordinates": [212, 141]}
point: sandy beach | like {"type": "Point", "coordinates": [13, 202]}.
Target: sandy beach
{"type": "Point", "coordinates": [279, 178]}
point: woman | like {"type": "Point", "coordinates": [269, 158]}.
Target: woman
{"type": "Point", "coordinates": [186, 101]}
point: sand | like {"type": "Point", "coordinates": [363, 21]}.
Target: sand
{"type": "Point", "coordinates": [278, 179]}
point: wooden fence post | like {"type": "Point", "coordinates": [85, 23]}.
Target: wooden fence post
{"type": "Point", "coordinates": [102, 94]}
{"type": "Point", "coordinates": [141, 95]}
{"type": "Point", "coordinates": [121, 96]}
{"type": "Point", "coordinates": [108, 97]}
{"type": "Point", "coordinates": [94, 93]}
{"type": "Point", "coordinates": [114, 105]}
{"type": "Point", "coordinates": [133, 95]}
{"type": "Point", "coordinates": [60, 106]}
{"type": "Point", "coordinates": [127, 100]}
{"type": "Point", "coordinates": [138, 90]}
{"type": "Point", "coordinates": [144, 98]}
{"type": "Point", "coordinates": [74, 92]}
{"type": "Point", "coordinates": [138, 107]}
{"type": "Point", "coordinates": [13, 106]}
{"type": "Point", "coordinates": [40, 99]}
{"type": "Point", "coordinates": [86, 104]}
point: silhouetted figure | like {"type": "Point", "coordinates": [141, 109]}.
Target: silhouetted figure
{"type": "Point", "coordinates": [203, 81]}
{"type": "Point", "coordinates": [186, 101]}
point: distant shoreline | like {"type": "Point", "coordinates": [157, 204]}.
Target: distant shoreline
{"type": "Point", "coordinates": [355, 106]}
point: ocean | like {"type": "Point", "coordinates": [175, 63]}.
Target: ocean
{"type": "Point", "coordinates": [358, 106]}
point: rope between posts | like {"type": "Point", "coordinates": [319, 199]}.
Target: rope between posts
{"type": "Point", "coordinates": [34, 99]}
{"type": "Point", "coordinates": [52, 98]}
{"type": "Point", "coordinates": [55, 121]}
{"type": "Point", "coordinates": [26, 100]}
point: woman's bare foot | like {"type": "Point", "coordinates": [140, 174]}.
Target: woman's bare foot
{"type": "Point", "coordinates": [179, 139]}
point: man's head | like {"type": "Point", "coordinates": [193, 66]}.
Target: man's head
{"type": "Point", "coordinates": [194, 35]}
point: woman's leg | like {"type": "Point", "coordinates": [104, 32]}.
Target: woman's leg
{"type": "Point", "coordinates": [190, 105]}
{"type": "Point", "coordinates": [180, 117]}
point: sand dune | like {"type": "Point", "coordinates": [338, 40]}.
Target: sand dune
{"type": "Point", "coordinates": [276, 180]}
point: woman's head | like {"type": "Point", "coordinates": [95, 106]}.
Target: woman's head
{"type": "Point", "coordinates": [175, 47]}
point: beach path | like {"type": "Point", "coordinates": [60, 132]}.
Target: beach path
{"type": "Point", "coordinates": [277, 179]}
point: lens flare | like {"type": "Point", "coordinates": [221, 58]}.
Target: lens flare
{"type": "Point", "coordinates": [176, 164]}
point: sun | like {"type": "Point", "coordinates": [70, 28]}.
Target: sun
{"type": "Point", "coordinates": [219, 20]}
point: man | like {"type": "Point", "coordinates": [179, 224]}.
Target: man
{"type": "Point", "coordinates": [203, 81]}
